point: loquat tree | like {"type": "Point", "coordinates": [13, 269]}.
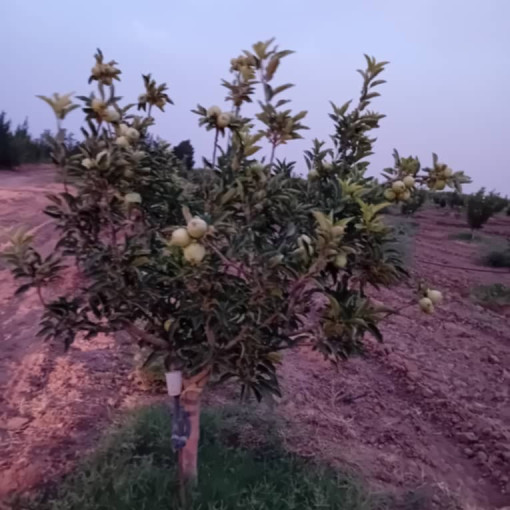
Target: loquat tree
{"type": "Point", "coordinates": [220, 271]}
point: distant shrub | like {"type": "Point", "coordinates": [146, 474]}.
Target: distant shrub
{"type": "Point", "coordinates": [498, 258]}
{"type": "Point", "coordinates": [439, 199]}
{"type": "Point", "coordinates": [464, 236]}
{"type": "Point", "coordinates": [498, 202]}
{"type": "Point", "coordinates": [480, 207]}
{"type": "Point", "coordinates": [494, 295]}
{"type": "Point", "coordinates": [456, 200]}
{"type": "Point", "coordinates": [453, 199]}
{"type": "Point", "coordinates": [7, 159]}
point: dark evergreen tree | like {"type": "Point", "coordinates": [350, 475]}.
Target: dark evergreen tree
{"type": "Point", "coordinates": [184, 151]}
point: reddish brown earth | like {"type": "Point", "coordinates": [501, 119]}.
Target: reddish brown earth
{"type": "Point", "coordinates": [427, 412]}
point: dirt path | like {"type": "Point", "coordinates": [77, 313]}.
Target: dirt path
{"type": "Point", "coordinates": [51, 405]}
{"type": "Point", "coordinates": [428, 411]}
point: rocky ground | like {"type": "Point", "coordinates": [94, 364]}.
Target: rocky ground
{"type": "Point", "coordinates": [426, 414]}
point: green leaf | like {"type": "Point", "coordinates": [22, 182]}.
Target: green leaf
{"type": "Point", "coordinates": [323, 220]}
{"type": "Point", "coordinates": [377, 82]}
{"type": "Point", "coordinates": [228, 196]}
{"type": "Point", "coordinates": [259, 49]}
{"type": "Point", "coordinates": [271, 68]}
{"type": "Point", "coordinates": [282, 88]}
{"type": "Point", "coordinates": [251, 150]}
{"type": "Point", "coordinates": [23, 288]}
{"type": "Point", "coordinates": [300, 115]}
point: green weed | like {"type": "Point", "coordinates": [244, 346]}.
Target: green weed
{"type": "Point", "coordinates": [404, 230]}
{"type": "Point", "coordinates": [494, 295]}
{"type": "Point", "coordinates": [466, 236]}
{"type": "Point", "coordinates": [497, 258]}
{"type": "Point", "coordinates": [134, 469]}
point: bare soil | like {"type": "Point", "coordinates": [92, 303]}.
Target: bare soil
{"type": "Point", "coordinates": [426, 413]}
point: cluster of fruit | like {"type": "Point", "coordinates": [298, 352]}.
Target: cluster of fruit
{"type": "Point", "coordinates": [243, 62]}
{"type": "Point", "coordinates": [187, 238]}
{"type": "Point", "coordinates": [321, 170]}
{"type": "Point", "coordinates": [439, 177]}
{"type": "Point", "coordinates": [104, 72]}
{"type": "Point", "coordinates": [409, 165]}
{"type": "Point", "coordinates": [103, 112]}
{"type": "Point", "coordinates": [160, 102]}
{"type": "Point", "coordinates": [126, 135]}
{"type": "Point", "coordinates": [400, 190]}
{"type": "Point", "coordinates": [329, 239]}
{"type": "Point", "coordinates": [429, 300]}
{"type": "Point", "coordinates": [221, 119]}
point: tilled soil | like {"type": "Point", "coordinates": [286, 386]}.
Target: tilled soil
{"type": "Point", "coordinates": [427, 413]}
{"type": "Point", "coordinates": [431, 407]}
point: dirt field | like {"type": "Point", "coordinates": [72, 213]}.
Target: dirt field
{"type": "Point", "coordinates": [427, 412]}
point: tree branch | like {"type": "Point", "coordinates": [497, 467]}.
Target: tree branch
{"type": "Point", "coordinates": [39, 294]}
{"type": "Point", "coordinates": [235, 340]}
{"type": "Point", "coordinates": [237, 265]}
{"type": "Point", "coordinates": [209, 333]}
{"type": "Point", "coordinates": [140, 334]}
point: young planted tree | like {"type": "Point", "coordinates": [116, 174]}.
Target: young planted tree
{"type": "Point", "coordinates": [220, 272]}
{"type": "Point", "coordinates": [498, 202]}
{"type": "Point", "coordinates": [481, 207]}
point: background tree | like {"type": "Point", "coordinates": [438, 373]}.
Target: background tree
{"type": "Point", "coordinates": [439, 199]}
{"type": "Point", "coordinates": [184, 152]}
{"type": "Point", "coordinates": [7, 155]}
{"type": "Point", "coordinates": [480, 207]}
{"type": "Point", "coordinates": [414, 203]}
{"type": "Point", "coordinates": [22, 144]}
{"type": "Point", "coordinates": [18, 147]}
{"type": "Point", "coordinates": [498, 202]}
{"type": "Point", "coordinates": [221, 271]}
{"type": "Point", "coordinates": [456, 200]}
{"type": "Point", "coordinates": [27, 149]}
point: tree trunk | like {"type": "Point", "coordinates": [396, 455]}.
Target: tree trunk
{"type": "Point", "coordinates": [188, 455]}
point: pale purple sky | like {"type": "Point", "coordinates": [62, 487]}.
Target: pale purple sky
{"type": "Point", "coordinates": [448, 86]}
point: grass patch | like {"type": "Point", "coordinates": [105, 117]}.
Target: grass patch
{"type": "Point", "coordinates": [404, 231]}
{"type": "Point", "coordinates": [496, 253]}
{"type": "Point", "coordinates": [497, 258]}
{"type": "Point", "coordinates": [405, 227]}
{"type": "Point", "coordinates": [134, 468]}
{"type": "Point", "coordinates": [466, 236]}
{"type": "Point", "coordinates": [494, 296]}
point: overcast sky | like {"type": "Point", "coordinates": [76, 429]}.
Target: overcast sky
{"type": "Point", "coordinates": [448, 86]}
